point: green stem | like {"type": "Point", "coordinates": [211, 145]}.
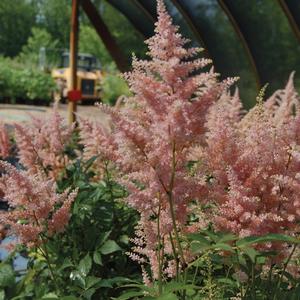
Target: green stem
{"type": "Point", "coordinates": [46, 256]}
{"type": "Point", "coordinates": [172, 210]}
{"type": "Point", "coordinates": [160, 260]}
{"type": "Point", "coordinates": [284, 268]}
{"type": "Point", "coordinates": [173, 216]}
{"type": "Point", "coordinates": [175, 256]}
{"type": "Point", "coordinates": [195, 274]}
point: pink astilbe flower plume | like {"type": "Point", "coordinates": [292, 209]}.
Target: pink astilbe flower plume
{"type": "Point", "coordinates": [41, 144]}
{"type": "Point", "coordinates": [36, 209]}
{"type": "Point", "coordinates": [151, 138]}
{"type": "Point", "coordinates": [254, 162]}
{"type": "Point", "coordinates": [5, 144]}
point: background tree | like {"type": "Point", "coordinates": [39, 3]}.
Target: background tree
{"type": "Point", "coordinates": [31, 52]}
{"type": "Point", "coordinates": [17, 18]}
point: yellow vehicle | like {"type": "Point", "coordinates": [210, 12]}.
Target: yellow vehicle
{"type": "Point", "coordinates": [89, 77]}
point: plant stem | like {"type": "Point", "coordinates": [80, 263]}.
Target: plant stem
{"type": "Point", "coordinates": [46, 256]}
{"type": "Point", "coordinates": [160, 260]}
{"type": "Point", "coordinates": [175, 256]}
{"type": "Point", "coordinates": [284, 268]}
{"type": "Point", "coordinates": [172, 210]}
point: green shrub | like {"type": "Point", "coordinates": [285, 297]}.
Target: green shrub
{"type": "Point", "coordinates": [17, 81]}
{"type": "Point", "coordinates": [113, 86]}
{"type": "Point", "coordinates": [88, 260]}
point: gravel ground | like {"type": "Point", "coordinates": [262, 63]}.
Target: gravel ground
{"type": "Point", "coordinates": [10, 113]}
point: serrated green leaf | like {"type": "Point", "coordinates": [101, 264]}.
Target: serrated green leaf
{"type": "Point", "coordinates": [97, 258]}
{"type": "Point", "coordinates": [227, 238]}
{"type": "Point", "coordinates": [78, 278]}
{"type": "Point", "coordinates": [50, 296]}
{"type": "Point", "coordinates": [2, 295]}
{"type": "Point", "coordinates": [7, 276]}
{"type": "Point", "coordinates": [109, 246]}
{"type": "Point", "coordinates": [199, 238]}
{"type": "Point", "coordinates": [169, 296]}
{"type": "Point", "coordinates": [89, 293]}
{"type": "Point", "coordinates": [223, 246]}
{"type": "Point", "coordinates": [91, 281]}
{"type": "Point", "coordinates": [252, 253]}
{"type": "Point", "coordinates": [267, 238]}
{"type": "Point", "coordinates": [85, 265]}
{"type": "Point", "coordinates": [177, 286]}
{"type": "Point", "coordinates": [197, 247]}
{"type": "Point", "coordinates": [130, 295]}
{"type": "Point", "coordinates": [66, 264]}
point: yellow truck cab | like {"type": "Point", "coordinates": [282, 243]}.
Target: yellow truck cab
{"type": "Point", "coordinates": [89, 77]}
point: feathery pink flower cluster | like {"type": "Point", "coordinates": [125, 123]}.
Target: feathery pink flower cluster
{"type": "Point", "coordinates": [98, 143]}
{"type": "Point", "coordinates": [37, 211]}
{"type": "Point", "coordinates": [5, 144]}
{"type": "Point", "coordinates": [152, 135]}
{"type": "Point", "coordinates": [42, 144]}
{"type": "Point", "coordinates": [254, 161]}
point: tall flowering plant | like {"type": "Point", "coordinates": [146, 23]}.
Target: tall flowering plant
{"type": "Point", "coordinates": [253, 160]}
{"type": "Point", "coordinates": [42, 144]}
{"type": "Point", "coordinates": [36, 211]}
{"type": "Point", "coordinates": [150, 141]}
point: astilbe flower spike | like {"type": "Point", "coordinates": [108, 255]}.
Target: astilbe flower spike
{"type": "Point", "coordinates": [151, 137]}
{"type": "Point", "coordinates": [5, 144]}
{"type": "Point", "coordinates": [41, 144]}
{"type": "Point", "coordinates": [36, 210]}
{"type": "Point", "coordinates": [254, 164]}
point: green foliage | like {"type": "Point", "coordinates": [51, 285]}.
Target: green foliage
{"type": "Point", "coordinates": [90, 42]}
{"type": "Point", "coordinates": [113, 86]}
{"type": "Point", "coordinates": [17, 81]}
{"type": "Point", "coordinates": [55, 18]}
{"type": "Point", "coordinates": [127, 37]}
{"type": "Point", "coordinates": [39, 38]}
{"type": "Point", "coordinates": [17, 18]}
{"type": "Point", "coordinates": [88, 260]}
{"type": "Point", "coordinates": [226, 267]}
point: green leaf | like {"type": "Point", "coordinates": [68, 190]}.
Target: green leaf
{"type": "Point", "coordinates": [199, 238]}
{"type": "Point", "coordinates": [69, 298]}
{"type": "Point", "coordinates": [2, 295]}
{"type": "Point", "coordinates": [267, 238]}
{"type": "Point", "coordinates": [97, 258]}
{"type": "Point", "coordinates": [261, 260]}
{"type": "Point", "coordinates": [227, 238]}
{"type": "Point", "coordinates": [109, 246]}
{"type": "Point", "coordinates": [227, 281]}
{"type": "Point", "coordinates": [7, 277]}
{"type": "Point", "coordinates": [105, 283]}
{"type": "Point", "coordinates": [91, 281]}
{"type": "Point", "coordinates": [223, 246]}
{"type": "Point", "coordinates": [130, 295]}
{"type": "Point", "coordinates": [214, 237]}
{"type": "Point", "coordinates": [50, 296]}
{"type": "Point", "coordinates": [252, 253]}
{"type": "Point", "coordinates": [90, 162]}
{"type": "Point", "coordinates": [167, 297]}
{"type": "Point", "coordinates": [197, 247]}
{"type": "Point", "coordinates": [89, 293]}
{"type": "Point", "coordinates": [85, 265]}
{"type": "Point", "coordinates": [177, 286]}
{"type": "Point", "coordinates": [66, 264]}
{"type": "Point", "coordinates": [103, 237]}
{"type": "Point", "coordinates": [78, 278]}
